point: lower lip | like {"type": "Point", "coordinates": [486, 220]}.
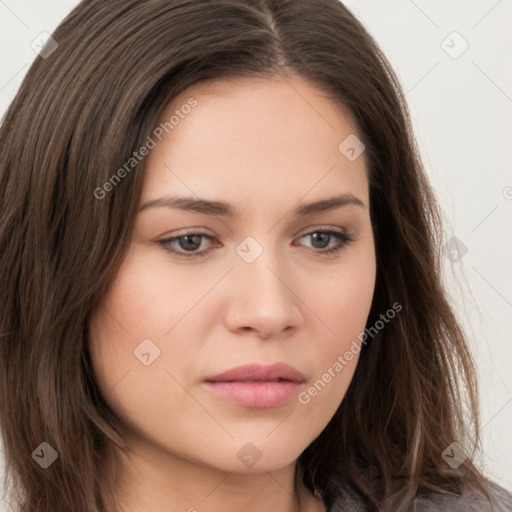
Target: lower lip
{"type": "Point", "coordinates": [255, 394]}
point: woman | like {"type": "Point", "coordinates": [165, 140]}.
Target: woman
{"type": "Point", "coordinates": [300, 354]}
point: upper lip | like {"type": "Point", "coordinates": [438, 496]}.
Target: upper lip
{"type": "Point", "coordinates": [258, 372]}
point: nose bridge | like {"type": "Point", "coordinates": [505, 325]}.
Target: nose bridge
{"type": "Point", "coordinates": [264, 300]}
{"type": "Point", "coordinates": [260, 267]}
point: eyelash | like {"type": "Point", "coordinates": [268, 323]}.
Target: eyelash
{"type": "Point", "coordinates": [343, 238]}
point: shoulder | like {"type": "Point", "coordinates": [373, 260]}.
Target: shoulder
{"type": "Point", "coordinates": [501, 501]}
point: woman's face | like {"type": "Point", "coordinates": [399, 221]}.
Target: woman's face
{"type": "Point", "coordinates": [267, 148]}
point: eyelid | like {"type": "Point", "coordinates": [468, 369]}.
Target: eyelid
{"type": "Point", "coordinates": [191, 231]}
{"type": "Point", "coordinates": [315, 227]}
{"type": "Point", "coordinates": [304, 231]}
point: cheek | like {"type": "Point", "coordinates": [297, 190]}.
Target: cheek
{"type": "Point", "coordinates": [125, 318]}
{"type": "Point", "coordinates": [147, 298]}
{"type": "Point", "coordinates": [128, 356]}
{"type": "Point", "coordinates": [144, 317]}
{"type": "Point", "coordinates": [343, 307]}
{"type": "Point", "coordinates": [342, 297]}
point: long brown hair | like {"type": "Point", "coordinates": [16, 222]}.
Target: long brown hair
{"type": "Point", "coordinates": [81, 112]}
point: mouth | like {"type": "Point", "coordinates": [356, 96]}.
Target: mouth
{"type": "Point", "coordinates": [256, 385]}
{"type": "Point", "coordinates": [256, 372]}
{"type": "Point", "coordinates": [258, 394]}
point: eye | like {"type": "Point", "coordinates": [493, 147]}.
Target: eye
{"type": "Point", "coordinates": [323, 237]}
{"type": "Point", "coordinates": [189, 243]}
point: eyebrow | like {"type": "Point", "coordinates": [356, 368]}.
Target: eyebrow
{"type": "Point", "coordinates": [223, 209]}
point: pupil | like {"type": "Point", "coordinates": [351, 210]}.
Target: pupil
{"type": "Point", "coordinates": [196, 242]}
{"type": "Point", "coordinates": [317, 236]}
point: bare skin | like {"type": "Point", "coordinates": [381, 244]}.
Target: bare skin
{"type": "Point", "coordinates": [264, 146]}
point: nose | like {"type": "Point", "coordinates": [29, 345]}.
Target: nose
{"type": "Point", "coordinates": [261, 297]}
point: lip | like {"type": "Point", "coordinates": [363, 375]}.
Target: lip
{"type": "Point", "coordinates": [256, 385]}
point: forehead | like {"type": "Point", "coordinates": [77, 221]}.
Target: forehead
{"type": "Point", "coordinates": [254, 136]}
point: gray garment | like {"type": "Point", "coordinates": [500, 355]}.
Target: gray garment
{"type": "Point", "coordinates": [342, 501]}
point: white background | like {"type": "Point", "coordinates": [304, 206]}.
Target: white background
{"type": "Point", "coordinates": [462, 114]}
